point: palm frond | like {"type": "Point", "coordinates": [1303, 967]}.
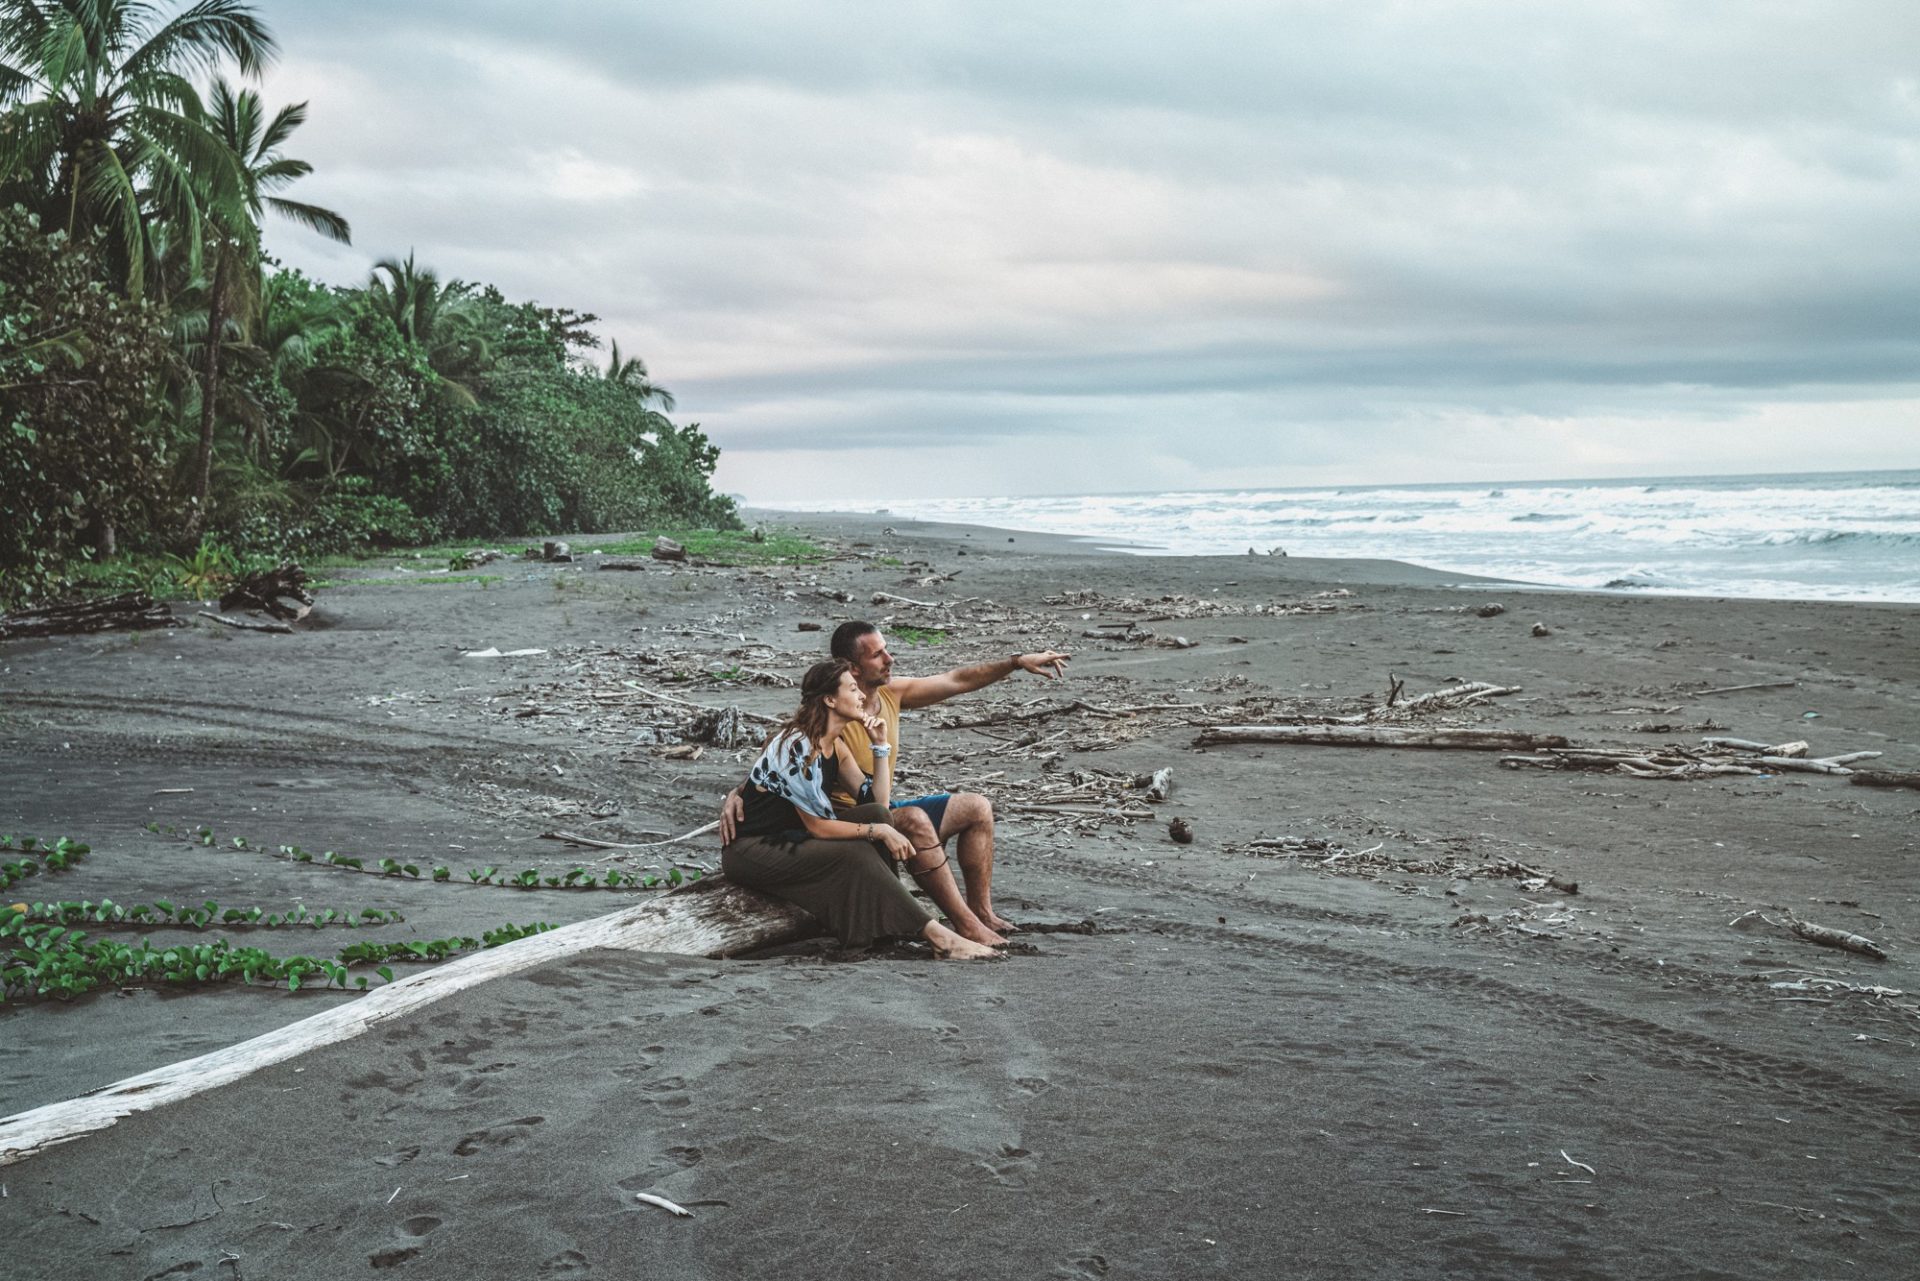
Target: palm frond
{"type": "Point", "coordinates": [200, 35]}
{"type": "Point", "coordinates": [314, 218]}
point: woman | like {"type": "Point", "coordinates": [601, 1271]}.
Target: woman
{"type": "Point", "coordinates": [789, 844]}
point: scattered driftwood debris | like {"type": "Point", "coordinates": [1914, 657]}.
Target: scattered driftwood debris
{"type": "Point", "coordinates": [131, 611]}
{"type": "Point", "coordinates": [477, 557]}
{"type": "Point", "coordinates": [269, 592]}
{"type": "Point", "coordinates": [1483, 740]}
{"type": "Point", "coordinates": [1825, 935]}
{"type": "Point", "coordinates": [1323, 853]}
{"type": "Point", "coordinates": [1082, 800]}
{"type": "Point", "coordinates": [1463, 694]}
{"type": "Point", "coordinates": [1716, 757]}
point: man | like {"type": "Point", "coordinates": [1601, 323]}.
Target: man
{"type": "Point", "coordinates": [965, 818]}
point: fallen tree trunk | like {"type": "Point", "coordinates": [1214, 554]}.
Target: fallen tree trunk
{"type": "Point", "coordinates": [709, 918]}
{"type": "Point", "coordinates": [1485, 740]}
{"type": "Point", "coordinates": [132, 611]}
{"type": "Point", "coordinates": [1884, 778]}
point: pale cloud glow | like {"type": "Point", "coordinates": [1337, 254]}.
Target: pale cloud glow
{"type": "Point", "coordinates": [1138, 246]}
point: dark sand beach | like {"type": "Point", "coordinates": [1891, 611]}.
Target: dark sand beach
{"type": "Point", "coordinates": [1363, 1052]}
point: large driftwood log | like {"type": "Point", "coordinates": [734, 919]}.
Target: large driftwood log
{"type": "Point", "coordinates": [709, 918]}
{"type": "Point", "coordinates": [131, 611]}
{"type": "Point", "coordinates": [1885, 778]}
{"type": "Point", "coordinates": [1486, 740]}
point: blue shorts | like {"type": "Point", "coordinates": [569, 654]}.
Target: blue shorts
{"type": "Point", "coordinates": [935, 807]}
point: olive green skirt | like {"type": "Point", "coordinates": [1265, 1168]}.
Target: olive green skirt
{"type": "Point", "coordinates": [851, 887]}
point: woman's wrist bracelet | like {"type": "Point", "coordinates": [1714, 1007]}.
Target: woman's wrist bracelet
{"type": "Point", "coordinates": [882, 749]}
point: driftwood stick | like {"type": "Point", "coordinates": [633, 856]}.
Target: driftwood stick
{"type": "Point", "coordinates": [246, 625]}
{"type": "Point", "coordinates": [1789, 763]}
{"type": "Point", "coordinates": [1885, 778]}
{"type": "Point", "coordinates": [1488, 740]}
{"type": "Point", "coordinates": [1735, 689]}
{"type": "Point", "coordinates": [888, 598]}
{"type": "Point", "coordinates": [709, 918]}
{"type": "Point", "coordinates": [1159, 784]}
{"type": "Point", "coordinates": [1849, 758]}
{"type": "Point", "coordinates": [1827, 936]}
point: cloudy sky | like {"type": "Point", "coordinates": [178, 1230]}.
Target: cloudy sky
{"type": "Point", "coordinates": [937, 248]}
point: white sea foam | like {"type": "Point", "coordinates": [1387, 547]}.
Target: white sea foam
{"type": "Point", "coordinates": [1853, 536]}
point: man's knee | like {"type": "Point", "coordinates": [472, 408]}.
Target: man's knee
{"type": "Point", "coordinates": [914, 824]}
{"type": "Point", "coordinates": [966, 809]}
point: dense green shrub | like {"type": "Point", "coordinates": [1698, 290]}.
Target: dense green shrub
{"type": "Point", "coordinates": [83, 448]}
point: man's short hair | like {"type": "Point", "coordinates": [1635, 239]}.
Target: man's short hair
{"type": "Point", "coordinates": [846, 639]}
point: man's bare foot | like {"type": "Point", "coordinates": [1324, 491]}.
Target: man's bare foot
{"type": "Point", "coordinates": [949, 946]}
{"type": "Point", "coordinates": [993, 920]}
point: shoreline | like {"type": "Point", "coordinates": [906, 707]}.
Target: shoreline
{"type": "Point", "coordinates": [1346, 990]}
{"type": "Point", "coordinates": [1338, 570]}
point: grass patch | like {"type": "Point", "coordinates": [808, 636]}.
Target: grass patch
{"type": "Point", "coordinates": [919, 635]}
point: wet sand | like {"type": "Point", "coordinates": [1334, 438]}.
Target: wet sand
{"type": "Point", "coordinates": [1250, 1062]}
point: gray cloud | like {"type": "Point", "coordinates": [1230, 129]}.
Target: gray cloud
{"type": "Point", "coordinates": [1619, 236]}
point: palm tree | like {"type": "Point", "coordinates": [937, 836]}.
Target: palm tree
{"type": "Point", "coordinates": [438, 319]}
{"type": "Point", "coordinates": [632, 374]}
{"type": "Point", "coordinates": [105, 128]}
{"type": "Point", "coordinates": [239, 121]}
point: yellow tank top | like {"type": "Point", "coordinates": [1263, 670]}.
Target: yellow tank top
{"type": "Point", "coordinates": [855, 737]}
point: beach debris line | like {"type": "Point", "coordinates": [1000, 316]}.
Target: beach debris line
{"type": "Point", "coordinates": [711, 919]}
{"type": "Point", "coordinates": [1825, 935]}
{"type": "Point", "coordinates": [130, 611]}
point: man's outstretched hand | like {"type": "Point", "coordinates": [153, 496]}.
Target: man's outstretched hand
{"type": "Point", "coordinates": [731, 812]}
{"type": "Point", "coordinates": [1048, 663]}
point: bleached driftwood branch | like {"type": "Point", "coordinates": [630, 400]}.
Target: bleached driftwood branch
{"type": "Point", "coordinates": [1485, 740]}
{"type": "Point", "coordinates": [709, 918]}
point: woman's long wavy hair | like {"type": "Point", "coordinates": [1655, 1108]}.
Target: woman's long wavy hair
{"type": "Point", "coordinates": [821, 683]}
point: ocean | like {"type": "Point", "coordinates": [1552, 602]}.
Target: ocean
{"type": "Point", "coordinates": [1832, 536]}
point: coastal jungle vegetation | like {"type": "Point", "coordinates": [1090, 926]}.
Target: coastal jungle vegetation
{"type": "Point", "coordinates": [170, 394]}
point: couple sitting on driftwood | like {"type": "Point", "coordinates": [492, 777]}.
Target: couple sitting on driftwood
{"type": "Point", "coordinates": [816, 823]}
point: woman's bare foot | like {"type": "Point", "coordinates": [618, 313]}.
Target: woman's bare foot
{"type": "Point", "coordinates": [949, 946]}
{"type": "Point", "coordinates": [977, 932]}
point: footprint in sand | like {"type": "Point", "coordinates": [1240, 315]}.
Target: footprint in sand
{"type": "Point", "coordinates": [399, 1156]}
{"type": "Point", "coordinates": [1012, 1167]}
{"type": "Point", "coordinates": [1033, 1084]}
{"type": "Point", "coordinates": [1086, 1266]}
{"type": "Point", "coordinates": [567, 1263]}
{"type": "Point", "coordinates": [416, 1229]}
{"type": "Point", "coordinates": [505, 1134]}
